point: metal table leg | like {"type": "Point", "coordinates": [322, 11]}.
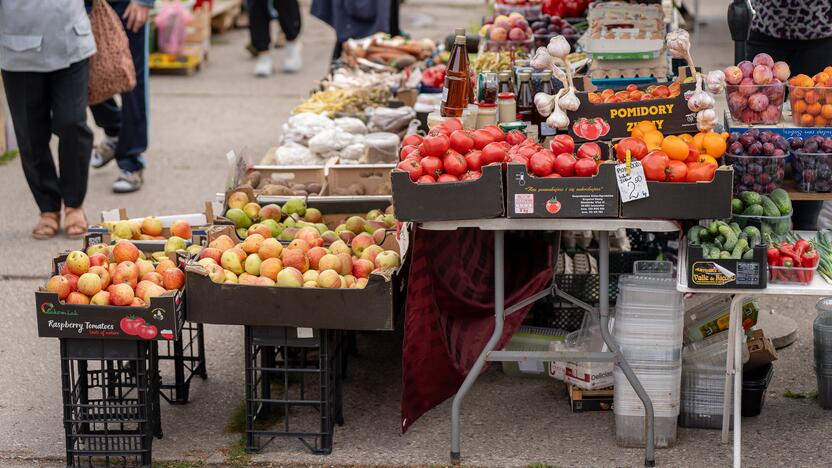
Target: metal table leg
{"type": "Point", "coordinates": [604, 299]}
{"type": "Point", "coordinates": [499, 316]}
{"type": "Point", "coordinates": [733, 373]}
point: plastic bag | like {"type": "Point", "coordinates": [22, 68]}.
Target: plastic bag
{"type": "Point", "coordinates": [352, 154]}
{"type": "Point", "coordinates": [385, 119]}
{"type": "Point", "coordinates": [333, 139]}
{"type": "Point", "coordinates": [382, 148]}
{"type": "Point", "coordinates": [171, 23]}
{"type": "Point", "coordinates": [351, 125]}
{"type": "Point", "coordinates": [301, 127]}
{"type": "Point", "coordinates": [293, 154]}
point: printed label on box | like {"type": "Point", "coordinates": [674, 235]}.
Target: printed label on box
{"type": "Point", "coordinates": [748, 273]}
{"type": "Point", "coordinates": [523, 203]}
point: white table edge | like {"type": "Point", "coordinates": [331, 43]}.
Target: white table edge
{"type": "Point", "coordinates": [554, 224]}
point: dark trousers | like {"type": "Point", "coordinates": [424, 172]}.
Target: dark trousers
{"type": "Point", "coordinates": [259, 19]}
{"type": "Point", "coordinates": [42, 104]}
{"type": "Point", "coordinates": [128, 123]}
{"type": "Point", "coordinates": [808, 57]}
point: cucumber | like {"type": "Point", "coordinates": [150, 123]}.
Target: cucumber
{"type": "Point", "coordinates": [781, 228]}
{"type": "Point", "coordinates": [725, 255]}
{"type": "Point", "coordinates": [736, 228]}
{"type": "Point", "coordinates": [693, 234]}
{"type": "Point", "coordinates": [750, 198]}
{"type": "Point", "coordinates": [782, 200]}
{"type": "Point", "coordinates": [753, 210]}
{"type": "Point", "coordinates": [752, 231]}
{"type": "Point", "coordinates": [737, 206]}
{"type": "Point", "coordinates": [749, 254]}
{"type": "Point", "coordinates": [766, 230]}
{"type": "Point", "coordinates": [739, 249]}
{"type": "Point", "coordinates": [713, 228]}
{"type": "Point", "coordinates": [769, 208]}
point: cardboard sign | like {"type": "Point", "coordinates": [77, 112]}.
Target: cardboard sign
{"type": "Point", "coordinates": [567, 197]}
{"type": "Point", "coordinates": [632, 183]}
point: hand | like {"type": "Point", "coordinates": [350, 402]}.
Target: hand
{"type": "Point", "coordinates": [136, 16]}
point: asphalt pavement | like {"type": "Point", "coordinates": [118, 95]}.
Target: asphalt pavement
{"type": "Point", "coordinates": [505, 421]}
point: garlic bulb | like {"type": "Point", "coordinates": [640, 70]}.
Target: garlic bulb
{"type": "Point", "coordinates": [542, 60]}
{"type": "Point", "coordinates": [706, 120]}
{"type": "Point", "coordinates": [559, 47]}
{"type": "Point", "coordinates": [569, 101]}
{"type": "Point", "coordinates": [715, 81]}
{"type": "Point", "coordinates": [699, 101]}
{"type": "Point", "coordinates": [558, 118]}
{"type": "Point", "coordinates": [558, 73]}
{"type": "Point", "coordinates": [544, 103]}
{"type": "Point", "coordinates": [678, 42]}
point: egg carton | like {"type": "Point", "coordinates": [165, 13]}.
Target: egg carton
{"type": "Point", "coordinates": [656, 68]}
{"type": "Point", "coordinates": [618, 12]}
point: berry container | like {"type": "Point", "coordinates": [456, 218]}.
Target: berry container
{"type": "Point", "coordinates": [811, 107]}
{"type": "Point", "coordinates": [754, 104]}
{"type": "Point", "coordinates": [761, 174]}
{"type": "Point", "coordinates": [812, 171]}
{"type": "Point", "coordinates": [791, 275]}
{"type": "Point", "coordinates": [776, 226]}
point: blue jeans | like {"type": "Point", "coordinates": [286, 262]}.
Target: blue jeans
{"type": "Point", "coordinates": [130, 122]}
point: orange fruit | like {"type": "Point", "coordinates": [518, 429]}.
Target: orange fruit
{"type": "Point", "coordinates": [821, 77]}
{"type": "Point", "coordinates": [646, 125]}
{"type": "Point", "coordinates": [697, 140]}
{"type": "Point", "coordinates": [807, 120]}
{"type": "Point", "coordinates": [820, 121]}
{"type": "Point", "coordinates": [653, 139]}
{"type": "Point", "coordinates": [797, 93]}
{"type": "Point", "coordinates": [675, 148]}
{"type": "Point", "coordinates": [714, 144]}
{"type": "Point", "coordinates": [799, 106]}
{"type": "Point", "coordinates": [708, 159]}
{"type": "Point", "coordinates": [686, 138]}
{"type": "Point", "coordinates": [725, 135]}
{"type": "Point", "coordinates": [826, 111]}
{"type": "Point", "coordinates": [813, 109]}
{"type": "Point", "coordinates": [811, 96]}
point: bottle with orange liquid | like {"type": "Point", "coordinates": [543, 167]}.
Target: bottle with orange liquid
{"type": "Point", "coordinates": [455, 93]}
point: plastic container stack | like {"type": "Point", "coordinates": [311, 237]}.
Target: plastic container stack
{"type": "Point", "coordinates": [822, 329]}
{"type": "Point", "coordinates": [648, 329]}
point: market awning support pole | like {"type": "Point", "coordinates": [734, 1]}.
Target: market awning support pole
{"type": "Point", "coordinates": [733, 373]}
{"type": "Point", "coordinates": [604, 300]}
{"type": "Point", "coordinates": [499, 304]}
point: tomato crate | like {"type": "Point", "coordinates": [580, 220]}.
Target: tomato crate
{"type": "Point", "coordinates": [685, 200]}
{"type": "Point", "coordinates": [110, 392]}
{"type": "Point", "coordinates": [293, 386]}
{"type": "Point", "coordinates": [528, 196]}
{"type": "Point", "coordinates": [180, 360]}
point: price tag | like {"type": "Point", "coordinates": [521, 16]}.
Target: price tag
{"type": "Point", "coordinates": [306, 333]}
{"type": "Point", "coordinates": [631, 183]}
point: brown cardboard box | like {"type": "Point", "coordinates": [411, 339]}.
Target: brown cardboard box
{"type": "Point", "coordinates": [760, 350]}
{"type": "Point", "coordinates": [685, 200]}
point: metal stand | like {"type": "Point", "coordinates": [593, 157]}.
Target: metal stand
{"type": "Point", "coordinates": [499, 226]}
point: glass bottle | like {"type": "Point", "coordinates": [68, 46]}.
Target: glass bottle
{"type": "Point", "coordinates": [489, 88]}
{"type": "Point", "coordinates": [525, 99]}
{"type": "Point", "coordinates": [505, 83]}
{"type": "Point", "coordinates": [455, 93]}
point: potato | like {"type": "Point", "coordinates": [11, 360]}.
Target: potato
{"type": "Point", "coordinates": [273, 189]}
{"type": "Point", "coordinates": [300, 193]}
{"type": "Point", "coordinates": [357, 189]}
{"type": "Point", "coordinates": [314, 188]}
{"type": "Point", "coordinates": [253, 178]}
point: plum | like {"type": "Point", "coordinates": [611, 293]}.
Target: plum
{"type": "Point", "coordinates": [762, 75]}
{"type": "Point", "coordinates": [748, 179]}
{"type": "Point", "coordinates": [746, 67]}
{"type": "Point", "coordinates": [747, 87]}
{"type": "Point", "coordinates": [503, 22]}
{"type": "Point", "coordinates": [749, 116]}
{"type": "Point", "coordinates": [775, 91]}
{"type": "Point", "coordinates": [755, 149]}
{"type": "Point", "coordinates": [768, 149]}
{"type": "Point", "coordinates": [757, 102]}
{"type": "Point", "coordinates": [781, 143]}
{"type": "Point", "coordinates": [736, 102]}
{"type": "Point", "coordinates": [733, 75]}
{"type": "Point", "coordinates": [732, 138]}
{"type": "Point", "coordinates": [826, 146]}
{"type": "Point", "coordinates": [811, 146]}
{"type": "Point", "coordinates": [554, 28]}
{"type": "Point", "coordinates": [796, 143]}
{"type": "Point", "coordinates": [518, 22]}
{"type": "Point", "coordinates": [781, 71]}
{"type": "Point", "coordinates": [765, 178]}
{"type": "Point", "coordinates": [771, 114]}
{"type": "Point", "coordinates": [778, 152]}
{"type": "Point", "coordinates": [765, 136]}
{"type": "Point", "coordinates": [539, 25]}
{"type": "Point", "coordinates": [747, 140]}
{"type": "Point", "coordinates": [754, 132]}
{"type": "Point", "coordinates": [736, 148]}
{"type": "Point", "coordinates": [764, 60]}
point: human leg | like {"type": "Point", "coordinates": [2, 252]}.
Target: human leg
{"type": "Point", "coordinates": [288, 14]}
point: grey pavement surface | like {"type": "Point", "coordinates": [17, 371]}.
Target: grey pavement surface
{"type": "Point", "coordinates": [505, 421]}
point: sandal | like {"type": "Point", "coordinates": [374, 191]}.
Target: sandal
{"type": "Point", "coordinates": [48, 226]}
{"type": "Point", "coordinates": [75, 223]}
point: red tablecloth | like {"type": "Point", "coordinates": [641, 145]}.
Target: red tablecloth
{"type": "Point", "coordinates": [450, 307]}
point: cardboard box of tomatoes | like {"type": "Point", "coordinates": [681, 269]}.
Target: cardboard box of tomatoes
{"type": "Point", "coordinates": [608, 114]}
{"type": "Point", "coordinates": [162, 319]}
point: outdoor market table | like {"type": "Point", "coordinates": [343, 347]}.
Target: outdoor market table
{"type": "Point", "coordinates": [500, 226]}
{"type": "Point", "coordinates": [733, 361]}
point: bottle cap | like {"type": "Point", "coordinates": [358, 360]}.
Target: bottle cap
{"type": "Point", "coordinates": [525, 76]}
{"type": "Point", "coordinates": [459, 40]}
{"type": "Point", "coordinates": [505, 75]}
{"type": "Point", "coordinates": [459, 32]}
{"type": "Point", "coordinates": [546, 75]}
{"type": "Point", "coordinates": [505, 96]}
{"type": "Point", "coordinates": [487, 104]}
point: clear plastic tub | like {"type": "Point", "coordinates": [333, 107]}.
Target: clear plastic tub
{"type": "Point", "coordinates": [663, 385]}
{"type": "Point", "coordinates": [487, 45]}
{"type": "Point", "coordinates": [701, 399]}
{"type": "Point", "coordinates": [791, 275]}
{"type": "Point", "coordinates": [711, 317]}
{"type": "Point", "coordinates": [531, 339]}
{"type": "Point", "coordinates": [761, 174]}
{"type": "Point", "coordinates": [709, 353]}
{"type": "Point", "coordinates": [528, 10]}
{"type": "Point", "coordinates": [648, 291]}
{"type": "Point", "coordinates": [641, 312]}
{"type": "Point", "coordinates": [778, 226]}
{"type": "Point", "coordinates": [631, 431]}
{"type": "Point", "coordinates": [813, 171]}
{"type": "Point", "coordinates": [811, 106]}
{"type": "Point", "coordinates": [753, 104]}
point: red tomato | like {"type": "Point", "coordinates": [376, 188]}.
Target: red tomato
{"type": "Point", "coordinates": [542, 163]}
{"type": "Point", "coordinates": [409, 150]}
{"type": "Point", "coordinates": [655, 166]}
{"type": "Point", "coordinates": [677, 171]}
{"type": "Point", "coordinates": [637, 147]}
{"type": "Point", "coordinates": [631, 87]}
{"type": "Point", "coordinates": [516, 158]}
{"type": "Point", "coordinates": [563, 144]}
{"type": "Point", "coordinates": [482, 138]}
{"type": "Point", "coordinates": [412, 140]}
{"type": "Point", "coordinates": [448, 178]}
{"type": "Point", "coordinates": [431, 166]}
{"type": "Point", "coordinates": [590, 151]}
{"type": "Point", "coordinates": [130, 325]}
{"type": "Point", "coordinates": [565, 165]}
{"type": "Point", "coordinates": [553, 175]}
{"type": "Point", "coordinates": [412, 167]}
{"type": "Point", "coordinates": [693, 154]}
{"type": "Point", "coordinates": [553, 205]}
{"type": "Point", "coordinates": [471, 175]}
{"type": "Point", "coordinates": [585, 168]}
{"type": "Point", "coordinates": [426, 179]}
{"type": "Point", "coordinates": [440, 130]}
{"type": "Point", "coordinates": [699, 172]}
{"type": "Point", "coordinates": [515, 137]}
{"type": "Point", "coordinates": [492, 153]}
{"type": "Point", "coordinates": [453, 124]}
{"type": "Point", "coordinates": [496, 132]}
{"type": "Point", "coordinates": [434, 145]}
{"type": "Point", "coordinates": [461, 141]}
{"type": "Point", "coordinates": [147, 331]}
{"type": "Point", "coordinates": [527, 151]}
{"type": "Point", "coordinates": [474, 160]}
{"type": "Point", "coordinates": [454, 163]}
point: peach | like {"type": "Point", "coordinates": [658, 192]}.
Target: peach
{"type": "Point", "coordinates": [181, 228]}
{"type": "Point", "coordinates": [121, 294]}
{"type": "Point", "coordinates": [59, 285]}
{"type": "Point", "coordinates": [152, 226]}
{"type": "Point", "coordinates": [270, 268]}
{"type": "Point", "coordinates": [125, 251]}
{"type": "Point", "coordinates": [294, 258]}
{"type": "Point", "coordinates": [252, 243]}
{"type": "Point", "coordinates": [314, 255]}
{"type": "Point", "coordinates": [781, 71]}
{"type": "Point", "coordinates": [764, 60]}
{"type": "Point", "coordinates": [762, 75]}
{"type": "Point", "coordinates": [173, 278]}
{"type": "Point", "coordinates": [77, 298]}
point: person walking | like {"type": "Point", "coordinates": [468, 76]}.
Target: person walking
{"type": "Point", "coordinates": [44, 47]}
{"type": "Point", "coordinates": [126, 127]}
{"type": "Point", "coordinates": [260, 15]}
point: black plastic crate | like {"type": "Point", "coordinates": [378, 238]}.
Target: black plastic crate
{"type": "Point", "coordinates": [754, 386]}
{"type": "Point", "coordinates": [293, 387]}
{"type": "Point", "coordinates": [110, 392]}
{"type": "Point", "coordinates": [555, 313]}
{"type": "Point", "coordinates": [180, 360]}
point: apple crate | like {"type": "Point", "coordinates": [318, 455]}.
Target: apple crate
{"type": "Point", "coordinates": [161, 320]}
{"type": "Point", "coordinates": [103, 232]}
{"type": "Point", "coordinates": [370, 308]}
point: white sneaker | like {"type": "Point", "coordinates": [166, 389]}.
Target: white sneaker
{"type": "Point", "coordinates": [264, 66]}
{"type": "Point", "coordinates": [104, 152]}
{"type": "Point", "coordinates": [293, 60]}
